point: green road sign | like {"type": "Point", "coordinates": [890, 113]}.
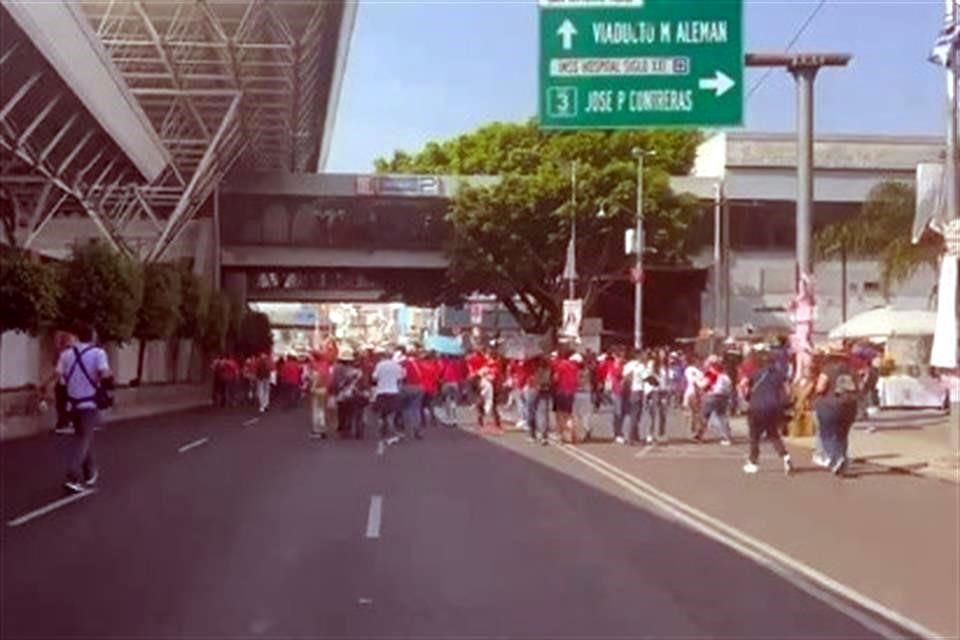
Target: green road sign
{"type": "Point", "coordinates": [608, 64]}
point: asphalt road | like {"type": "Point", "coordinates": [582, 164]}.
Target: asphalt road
{"type": "Point", "coordinates": [262, 532]}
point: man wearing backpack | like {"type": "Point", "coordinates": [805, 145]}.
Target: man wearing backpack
{"type": "Point", "coordinates": [86, 374]}
{"type": "Point", "coordinates": [767, 394]}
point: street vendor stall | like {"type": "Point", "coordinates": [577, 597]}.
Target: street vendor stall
{"type": "Point", "coordinates": [906, 335]}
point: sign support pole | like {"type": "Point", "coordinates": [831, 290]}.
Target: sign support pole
{"type": "Point", "coordinates": [638, 275]}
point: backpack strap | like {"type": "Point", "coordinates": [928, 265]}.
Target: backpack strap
{"type": "Point", "coordinates": [78, 363]}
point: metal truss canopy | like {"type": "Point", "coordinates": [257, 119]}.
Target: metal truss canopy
{"type": "Point", "coordinates": [223, 83]}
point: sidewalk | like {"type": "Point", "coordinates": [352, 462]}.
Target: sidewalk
{"type": "Point", "coordinates": [131, 403]}
{"type": "Point", "coordinates": [915, 441]}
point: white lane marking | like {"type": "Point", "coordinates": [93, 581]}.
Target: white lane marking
{"type": "Point", "coordinates": [251, 421]}
{"type": "Point", "coordinates": [802, 576]}
{"type": "Point", "coordinates": [53, 506]}
{"type": "Point", "coordinates": [192, 445]}
{"type": "Point", "coordinates": [373, 516]}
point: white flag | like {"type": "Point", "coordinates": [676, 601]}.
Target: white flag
{"type": "Point", "coordinates": [948, 39]}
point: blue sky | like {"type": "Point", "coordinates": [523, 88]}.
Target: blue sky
{"type": "Point", "coordinates": [425, 70]}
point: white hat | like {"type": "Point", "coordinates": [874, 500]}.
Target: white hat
{"type": "Point", "coordinates": [576, 358]}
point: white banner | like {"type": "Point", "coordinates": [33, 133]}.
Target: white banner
{"type": "Point", "coordinates": [572, 318]}
{"type": "Point", "coordinates": [944, 351]}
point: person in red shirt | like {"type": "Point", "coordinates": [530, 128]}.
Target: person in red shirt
{"type": "Point", "coordinates": [474, 363]}
{"type": "Point", "coordinates": [452, 378]}
{"type": "Point", "coordinates": [566, 380]}
{"type": "Point", "coordinates": [430, 378]}
{"type": "Point", "coordinates": [518, 372]}
{"type": "Point", "coordinates": [610, 379]}
{"type": "Point", "coordinates": [289, 378]}
{"type": "Point", "coordinates": [491, 377]}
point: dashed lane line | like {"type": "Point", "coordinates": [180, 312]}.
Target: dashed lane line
{"type": "Point", "coordinates": [53, 506]}
{"type": "Point", "coordinates": [374, 515]}
{"type": "Point", "coordinates": [193, 445]}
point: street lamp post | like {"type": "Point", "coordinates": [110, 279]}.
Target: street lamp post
{"type": "Point", "coordinates": [638, 250]}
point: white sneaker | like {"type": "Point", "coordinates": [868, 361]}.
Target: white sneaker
{"type": "Point", "coordinates": [725, 442]}
{"type": "Point", "coordinates": [750, 467]}
{"type": "Point", "coordinates": [821, 460]}
{"type": "Point", "coordinates": [787, 465]}
{"type": "Point", "coordinates": [620, 440]}
{"type": "Point", "coordinates": [649, 441]}
{"type": "Point", "coordinates": [76, 487]}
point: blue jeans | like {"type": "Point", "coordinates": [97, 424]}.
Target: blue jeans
{"type": "Point", "coordinates": [834, 418]}
{"type": "Point", "coordinates": [635, 411]}
{"type": "Point", "coordinates": [656, 410]}
{"type": "Point", "coordinates": [620, 403]}
{"type": "Point", "coordinates": [81, 465]}
{"type": "Point", "coordinates": [533, 399]}
{"type": "Point", "coordinates": [714, 408]}
{"type": "Point", "coordinates": [411, 401]}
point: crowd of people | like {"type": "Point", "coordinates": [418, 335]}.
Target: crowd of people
{"type": "Point", "coordinates": [403, 391]}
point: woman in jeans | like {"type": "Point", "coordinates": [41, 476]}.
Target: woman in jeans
{"type": "Point", "coordinates": [656, 397]}
{"type": "Point", "coordinates": [718, 388]}
{"type": "Point", "coordinates": [634, 372]}
{"type": "Point", "coordinates": [836, 408]}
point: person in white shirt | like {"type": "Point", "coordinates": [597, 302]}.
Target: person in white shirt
{"type": "Point", "coordinates": [634, 373]}
{"type": "Point", "coordinates": [691, 397]}
{"type": "Point", "coordinates": [387, 376]}
{"type": "Point", "coordinates": [85, 371]}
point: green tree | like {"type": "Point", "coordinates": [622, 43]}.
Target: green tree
{"type": "Point", "coordinates": [234, 321]}
{"type": "Point", "coordinates": [882, 231]}
{"type": "Point", "coordinates": [510, 238]}
{"type": "Point", "coordinates": [159, 314]}
{"type": "Point", "coordinates": [29, 292]}
{"type": "Point", "coordinates": [104, 288]}
{"type": "Point", "coordinates": [255, 336]}
{"type": "Point", "coordinates": [194, 305]}
{"type": "Point", "coordinates": [217, 324]}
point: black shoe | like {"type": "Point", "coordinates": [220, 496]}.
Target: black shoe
{"type": "Point", "coordinates": [418, 435]}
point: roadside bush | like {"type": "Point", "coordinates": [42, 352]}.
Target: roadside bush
{"type": "Point", "coordinates": [104, 288]}
{"type": "Point", "coordinates": [29, 292]}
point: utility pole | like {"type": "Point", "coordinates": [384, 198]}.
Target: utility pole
{"type": "Point", "coordinates": [638, 276]}
{"type": "Point", "coordinates": [573, 226]}
{"type": "Point", "coordinates": [717, 254]}
{"type": "Point", "coordinates": [804, 67]}
{"type": "Point", "coordinates": [952, 163]}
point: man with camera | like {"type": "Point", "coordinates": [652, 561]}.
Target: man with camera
{"type": "Point", "coordinates": [86, 374]}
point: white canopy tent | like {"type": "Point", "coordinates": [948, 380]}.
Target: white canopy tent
{"type": "Point", "coordinates": [886, 322]}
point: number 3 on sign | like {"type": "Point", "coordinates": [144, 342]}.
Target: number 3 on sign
{"type": "Point", "coordinates": [562, 102]}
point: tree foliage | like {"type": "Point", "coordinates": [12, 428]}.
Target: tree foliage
{"type": "Point", "coordinates": [159, 315]}
{"type": "Point", "coordinates": [255, 336]}
{"type": "Point", "coordinates": [510, 239]}
{"type": "Point", "coordinates": [194, 305]}
{"type": "Point", "coordinates": [104, 288]}
{"type": "Point", "coordinates": [882, 232]}
{"type": "Point", "coordinates": [217, 324]}
{"type": "Point", "coordinates": [29, 292]}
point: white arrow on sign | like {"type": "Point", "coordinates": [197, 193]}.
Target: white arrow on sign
{"type": "Point", "coordinates": [720, 83]}
{"type": "Point", "coordinates": [566, 33]}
